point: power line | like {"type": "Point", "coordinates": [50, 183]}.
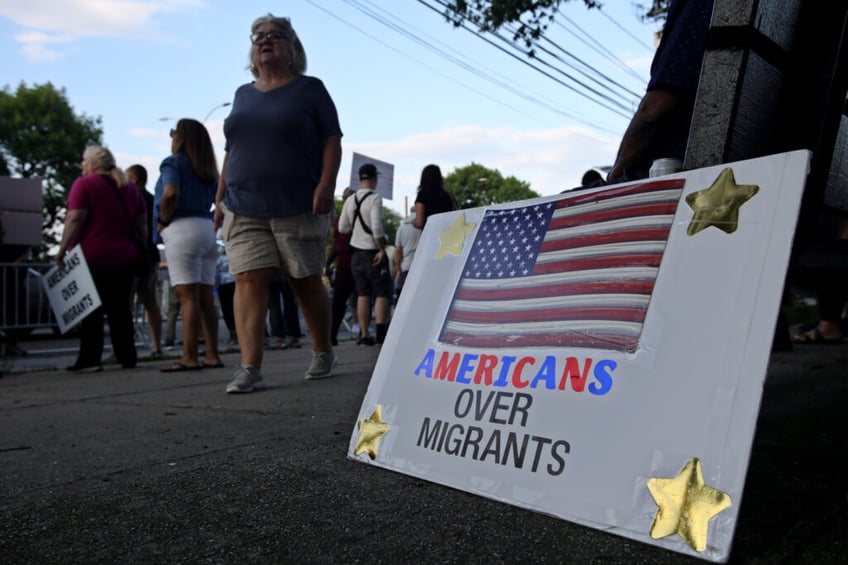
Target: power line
{"type": "Point", "coordinates": [524, 61]}
{"type": "Point", "coordinates": [594, 45]}
{"type": "Point", "coordinates": [589, 69]}
{"type": "Point", "coordinates": [401, 53]}
{"type": "Point", "coordinates": [460, 62]}
{"type": "Point", "coordinates": [606, 98]}
{"type": "Point", "coordinates": [625, 30]}
{"type": "Point", "coordinates": [589, 72]}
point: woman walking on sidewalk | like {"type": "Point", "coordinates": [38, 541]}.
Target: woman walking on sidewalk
{"type": "Point", "coordinates": [184, 195]}
{"type": "Point", "coordinates": [275, 198]}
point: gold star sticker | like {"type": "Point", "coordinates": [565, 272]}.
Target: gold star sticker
{"type": "Point", "coordinates": [719, 204]}
{"type": "Point", "coordinates": [371, 431]}
{"type": "Point", "coordinates": [686, 505]}
{"type": "Point", "coordinates": [453, 237]}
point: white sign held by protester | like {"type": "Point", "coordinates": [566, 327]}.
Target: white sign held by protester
{"type": "Point", "coordinates": [598, 355]}
{"type": "Point", "coordinates": [385, 172]}
{"type": "Point", "coordinates": [71, 290]}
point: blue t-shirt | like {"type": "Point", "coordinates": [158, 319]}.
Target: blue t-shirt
{"type": "Point", "coordinates": [195, 198]}
{"type": "Point", "coordinates": [275, 147]}
{"type": "Point", "coordinates": [677, 64]}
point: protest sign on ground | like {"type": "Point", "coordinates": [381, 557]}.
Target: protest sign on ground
{"type": "Point", "coordinates": [597, 356]}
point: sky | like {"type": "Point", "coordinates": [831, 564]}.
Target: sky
{"type": "Point", "coordinates": [410, 88]}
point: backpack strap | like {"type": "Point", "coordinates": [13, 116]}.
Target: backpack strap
{"type": "Point", "coordinates": [357, 214]}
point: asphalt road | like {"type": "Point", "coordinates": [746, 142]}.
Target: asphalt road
{"type": "Point", "coordinates": [140, 466]}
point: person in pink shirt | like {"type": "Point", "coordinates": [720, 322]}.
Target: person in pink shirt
{"type": "Point", "coordinates": [106, 216]}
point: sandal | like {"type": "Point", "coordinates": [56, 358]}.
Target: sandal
{"type": "Point", "coordinates": [814, 337]}
{"type": "Point", "coordinates": [179, 368]}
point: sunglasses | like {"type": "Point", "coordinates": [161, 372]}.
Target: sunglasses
{"type": "Point", "coordinates": [261, 36]}
{"type": "Point", "coordinates": [173, 132]}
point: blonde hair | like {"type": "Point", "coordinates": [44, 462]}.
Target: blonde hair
{"type": "Point", "coordinates": [105, 163]}
{"type": "Point", "coordinates": [297, 55]}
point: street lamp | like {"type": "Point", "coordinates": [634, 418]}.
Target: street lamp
{"type": "Point", "coordinates": [209, 113]}
{"type": "Point", "coordinates": [224, 105]}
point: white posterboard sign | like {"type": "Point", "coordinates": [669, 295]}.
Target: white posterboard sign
{"type": "Point", "coordinates": [385, 172]}
{"type": "Point", "coordinates": [71, 290]}
{"type": "Point", "coordinates": [598, 356]}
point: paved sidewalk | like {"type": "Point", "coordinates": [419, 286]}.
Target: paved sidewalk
{"type": "Point", "coordinates": [140, 466]}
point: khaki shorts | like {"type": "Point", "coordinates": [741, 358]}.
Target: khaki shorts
{"type": "Point", "coordinates": [296, 245]}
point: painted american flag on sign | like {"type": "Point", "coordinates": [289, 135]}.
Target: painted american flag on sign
{"type": "Point", "coordinates": [576, 272]}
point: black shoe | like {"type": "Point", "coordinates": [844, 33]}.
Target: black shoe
{"type": "Point", "coordinates": [77, 368]}
{"type": "Point", "coordinates": [365, 340]}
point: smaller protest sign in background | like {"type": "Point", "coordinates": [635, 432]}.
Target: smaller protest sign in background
{"type": "Point", "coordinates": [71, 290]}
{"type": "Point", "coordinates": [386, 172]}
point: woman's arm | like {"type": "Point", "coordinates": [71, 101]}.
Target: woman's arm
{"type": "Point", "coordinates": [168, 205]}
{"type": "Point", "coordinates": [647, 130]}
{"type": "Point", "coordinates": [74, 221]}
{"type": "Point", "coordinates": [322, 198]}
{"type": "Point", "coordinates": [419, 219]}
{"type": "Point", "coordinates": [218, 216]}
{"type": "Point", "coordinates": [398, 258]}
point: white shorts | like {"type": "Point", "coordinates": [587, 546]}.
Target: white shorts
{"type": "Point", "coordinates": [190, 251]}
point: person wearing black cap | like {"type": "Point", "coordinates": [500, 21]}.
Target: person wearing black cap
{"type": "Point", "coordinates": [362, 217]}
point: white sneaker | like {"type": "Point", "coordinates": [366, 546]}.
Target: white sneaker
{"type": "Point", "coordinates": [246, 379]}
{"type": "Point", "coordinates": [322, 365]}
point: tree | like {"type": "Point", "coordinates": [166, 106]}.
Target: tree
{"type": "Point", "coordinates": [531, 16]}
{"type": "Point", "coordinates": [42, 137]}
{"type": "Point", "coordinates": [475, 185]}
{"type": "Point", "coordinates": [391, 223]}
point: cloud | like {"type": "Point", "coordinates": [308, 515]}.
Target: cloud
{"type": "Point", "coordinates": [65, 21]}
{"type": "Point", "coordinates": [36, 46]}
{"type": "Point", "coordinates": [551, 160]}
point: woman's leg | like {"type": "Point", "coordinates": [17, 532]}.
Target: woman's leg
{"type": "Point", "coordinates": [91, 339]}
{"type": "Point", "coordinates": [188, 295]}
{"type": "Point", "coordinates": [363, 314]}
{"type": "Point", "coordinates": [315, 302]}
{"type": "Point", "coordinates": [249, 306]}
{"type": "Point", "coordinates": [151, 309]}
{"type": "Point", "coordinates": [291, 314]}
{"type": "Point", "coordinates": [225, 295]}
{"type": "Point", "coordinates": [209, 323]}
{"type": "Point", "coordinates": [116, 294]}
{"type": "Point", "coordinates": [275, 310]}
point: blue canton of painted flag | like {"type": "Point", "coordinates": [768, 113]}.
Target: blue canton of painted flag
{"type": "Point", "coordinates": [508, 242]}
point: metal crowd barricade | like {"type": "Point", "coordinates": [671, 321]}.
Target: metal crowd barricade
{"type": "Point", "coordinates": [25, 306]}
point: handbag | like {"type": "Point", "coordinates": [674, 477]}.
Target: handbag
{"type": "Point", "coordinates": [140, 266]}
